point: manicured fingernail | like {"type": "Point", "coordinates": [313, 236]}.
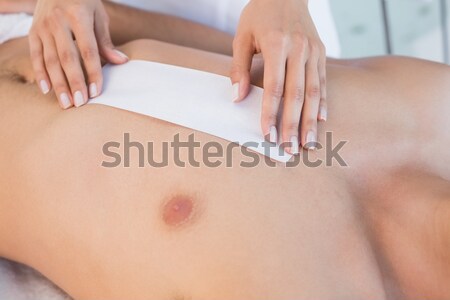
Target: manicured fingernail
{"type": "Point", "coordinates": [64, 101]}
{"type": "Point", "coordinates": [294, 145]}
{"type": "Point", "coordinates": [78, 98]}
{"type": "Point", "coordinates": [121, 54]}
{"type": "Point", "coordinates": [273, 135]}
{"type": "Point", "coordinates": [311, 141]}
{"type": "Point", "coordinates": [235, 94]}
{"type": "Point", "coordinates": [93, 92]}
{"type": "Point", "coordinates": [323, 114]}
{"type": "Point", "coordinates": [44, 87]}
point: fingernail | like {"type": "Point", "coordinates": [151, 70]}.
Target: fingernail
{"type": "Point", "coordinates": [44, 87]}
{"type": "Point", "coordinates": [294, 145]}
{"type": "Point", "coordinates": [64, 101]}
{"type": "Point", "coordinates": [323, 114]}
{"type": "Point", "coordinates": [78, 99]}
{"type": "Point", "coordinates": [236, 92]}
{"type": "Point", "coordinates": [121, 54]}
{"type": "Point", "coordinates": [273, 135]}
{"type": "Point", "coordinates": [93, 92]}
{"type": "Point", "coordinates": [311, 141]}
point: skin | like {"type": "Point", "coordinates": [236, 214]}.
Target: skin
{"type": "Point", "coordinates": [370, 231]}
{"type": "Point", "coordinates": [376, 230]}
{"type": "Point", "coordinates": [283, 33]}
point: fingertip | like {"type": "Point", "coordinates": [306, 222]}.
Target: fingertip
{"type": "Point", "coordinates": [310, 141]}
{"type": "Point", "coordinates": [120, 57]}
{"type": "Point", "coordinates": [64, 101]}
{"type": "Point", "coordinates": [79, 98]}
{"type": "Point", "coordinates": [244, 88]}
{"type": "Point", "coordinates": [235, 92]}
{"type": "Point", "coordinates": [323, 114]}
{"type": "Point", "coordinates": [294, 146]}
{"type": "Point", "coordinates": [121, 54]}
{"type": "Point", "coordinates": [273, 135]}
{"type": "Point", "coordinates": [93, 90]}
{"type": "Point", "coordinates": [240, 91]}
{"type": "Point", "coordinates": [44, 86]}
{"type": "Point", "coordinates": [240, 70]}
{"type": "Point", "coordinates": [115, 56]}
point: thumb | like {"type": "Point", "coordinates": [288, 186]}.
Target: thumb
{"type": "Point", "coordinates": [105, 44]}
{"type": "Point", "coordinates": [243, 52]}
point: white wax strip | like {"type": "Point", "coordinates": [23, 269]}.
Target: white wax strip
{"type": "Point", "coordinates": [189, 98]}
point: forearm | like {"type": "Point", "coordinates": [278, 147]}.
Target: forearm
{"type": "Point", "coordinates": [129, 24]}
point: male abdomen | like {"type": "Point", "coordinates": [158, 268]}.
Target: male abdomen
{"type": "Point", "coordinates": [163, 233]}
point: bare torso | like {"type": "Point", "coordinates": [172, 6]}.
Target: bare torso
{"type": "Point", "coordinates": [367, 231]}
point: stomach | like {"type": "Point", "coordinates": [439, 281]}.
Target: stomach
{"type": "Point", "coordinates": [261, 232]}
{"type": "Point", "coordinates": [252, 233]}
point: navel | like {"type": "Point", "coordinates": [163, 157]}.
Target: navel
{"type": "Point", "coordinates": [178, 210]}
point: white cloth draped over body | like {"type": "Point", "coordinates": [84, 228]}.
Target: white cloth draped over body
{"type": "Point", "coordinates": [14, 26]}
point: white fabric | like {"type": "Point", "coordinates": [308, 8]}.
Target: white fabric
{"type": "Point", "coordinates": [14, 26]}
{"type": "Point", "coordinates": [189, 98]}
{"type": "Point", "coordinates": [320, 11]}
{"type": "Point", "coordinates": [18, 282]}
{"type": "Point", "coordinates": [224, 15]}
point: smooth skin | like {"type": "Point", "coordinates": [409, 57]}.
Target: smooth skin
{"type": "Point", "coordinates": [375, 230]}
{"type": "Point", "coordinates": [282, 31]}
{"type": "Point", "coordinates": [370, 231]}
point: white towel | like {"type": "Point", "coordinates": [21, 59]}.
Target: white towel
{"type": "Point", "coordinates": [18, 282]}
{"type": "Point", "coordinates": [14, 26]}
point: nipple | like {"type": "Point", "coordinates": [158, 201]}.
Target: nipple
{"type": "Point", "coordinates": [178, 210]}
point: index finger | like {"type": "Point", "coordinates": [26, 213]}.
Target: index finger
{"type": "Point", "coordinates": [37, 60]}
{"type": "Point", "coordinates": [87, 44]}
{"type": "Point", "coordinates": [274, 74]}
{"type": "Point", "coordinates": [323, 110]}
{"type": "Point", "coordinates": [294, 98]}
{"type": "Point", "coordinates": [70, 63]}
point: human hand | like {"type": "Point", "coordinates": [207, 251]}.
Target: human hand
{"type": "Point", "coordinates": [294, 69]}
{"type": "Point", "coordinates": [59, 61]}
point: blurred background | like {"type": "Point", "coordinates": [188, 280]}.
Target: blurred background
{"type": "Point", "coordinates": [404, 27]}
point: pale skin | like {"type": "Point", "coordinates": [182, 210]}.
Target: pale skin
{"type": "Point", "coordinates": [375, 230]}
{"type": "Point", "coordinates": [282, 31]}
{"type": "Point", "coordinates": [366, 232]}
